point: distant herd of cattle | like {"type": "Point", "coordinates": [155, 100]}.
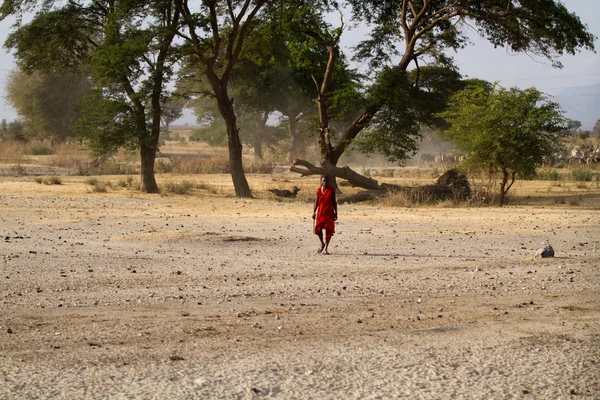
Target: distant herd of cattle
{"type": "Point", "coordinates": [442, 159]}
{"type": "Point", "coordinates": [576, 157]}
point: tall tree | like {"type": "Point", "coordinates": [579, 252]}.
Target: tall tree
{"type": "Point", "coordinates": [216, 33]}
{"type": "Point", "coordinates": [49, 103]}
{"type": "Point", "coordinates": [129, 49]}
{"type": "Point", "coordinates": [405, 32]}
{"type": "Point", "coordinates": [505, 130]}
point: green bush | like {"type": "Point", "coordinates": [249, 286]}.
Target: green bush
{"type": "Point", "coordinates": [582, 175]}
{"type": "Point", "coordinates": [548, 175]}
{"type": "Point", "coordinates": [40, 150]}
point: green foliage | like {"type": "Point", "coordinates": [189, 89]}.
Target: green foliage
{"type": "Point", "coordinates": [583, 174]}
{"type": "Point", "coordinates": [3, 130]}
{"type": "Point", "coordinates": [504, 129]}
{"type": "Point", "coordinates": [66, 34]}
{"type": "Point", "coordinates": [40, 150]}
{"type": "Point", "coordinates": [126, 47]}
{"type": "Point", "coordinates": [108, 122]}
{"type": "Point", "coordinates": [16, 131]}
{"type": "Point", "coordinates": [541, 27]}
{"type": "Point", "coordinates": [549, 175]}
{"type": "Point", "coordinates": [394, 129]}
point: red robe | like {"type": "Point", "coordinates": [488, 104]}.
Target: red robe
{"type": "Point", "coordinates": [325, 211]}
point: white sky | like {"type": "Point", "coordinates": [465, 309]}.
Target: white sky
{"type": "Point", "coordinates": [480, 60]}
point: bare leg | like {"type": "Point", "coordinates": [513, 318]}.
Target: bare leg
{"type": "Point", "coordinates": [326, 247]}
{"type": "Point", "coordinates": [320, 235]}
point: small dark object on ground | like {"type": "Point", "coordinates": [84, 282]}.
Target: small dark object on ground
{"type": "Point", "coordinates": [546, 252]}
{"type": "Point", "coordinates": [285, 192]}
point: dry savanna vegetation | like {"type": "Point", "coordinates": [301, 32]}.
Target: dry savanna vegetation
{"type": "Point", "coordinates": [194, 293]}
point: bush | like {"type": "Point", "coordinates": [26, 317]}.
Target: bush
{"type": "Point", "coordinates": [18, 170]}
{"type": "Point", "coordinates": [127, 183]}
{"type": "Point", "coordinates": [259, 167]}
{"type": "Point", "coordinates": [40, 150]}
{"type": "Point", "coordinates": [582, 175]}
{"type": "Point", "coordinates": [548, 175]}
{"type": "Point", "coordinates": [97, 185]}
{"type": "Point", "coordinates": [183, 187]}
{"type": "Point", "coordinates": [52, 180]}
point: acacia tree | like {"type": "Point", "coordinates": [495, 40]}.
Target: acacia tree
{"type": "Point", "coordinates": [216, 34]}
{"type": "Point", "coordinates": [49, 103]}
{"type": "Point", "coordinates": [407, 31]}
{"type": "Point", "coordinates": [504, 130]}
{"type": "Point", "coordinates": [129, 50]}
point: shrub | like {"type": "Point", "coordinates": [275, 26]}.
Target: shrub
{"type": "Point", "coordinates": [52, 180]}
{"type": "Point", "coordinates": [386, 173]}
{"type": "Point", "coordinates": [91, 181]}
{"type": "Point", "coordinates": [576, 201]}
{"type": "Point", "coordinates": [259, 167]}
{"type": "Point", "coordinates": [548, 175]}
{"type": "Point", "coordinates": [113, 168]}
{"type": "Point", "coordinates": [183, 187]}
{"type": "Point", "coordinates": [582, 174]}
{"type": "Point", "coordinates": [127, 183]}
{"type": "Point", "coordinates": [18, 170]}
{"type": "Point", "coordinates": [189, 165]}
{"type": "Point", "coordinates": [408, 198]}
{"type": "Point", "coordinates": [163, 166]}
{"type": "Point", "coordinates": [205, 186]}
{"type": "Point", "coordinates": [97, 185]}
{"type": "Point", "coordinates": [40, 150]}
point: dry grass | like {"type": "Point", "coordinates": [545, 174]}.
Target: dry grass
{"type": "Point", "coordinates": [206, 169]}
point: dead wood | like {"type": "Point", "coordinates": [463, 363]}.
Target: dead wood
{"type": "Point", "coordinates": [450, 186]}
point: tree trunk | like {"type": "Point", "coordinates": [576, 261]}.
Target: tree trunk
{"type": "Point", "coordinates": [503, 187]}
{"type": "Point", "coordinates": [258, 153]}
{"type": "Point", "coordinates": [148, 155]}
{"type": "Point", "coordinates": [240, 184]}
{"type": "Point", "coordinates": [225, 103]}
{"type": "Point", "coordinates": [294, 150]}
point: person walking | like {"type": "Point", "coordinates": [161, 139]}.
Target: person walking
{"type": "Point", "coordinates": [325, 214]}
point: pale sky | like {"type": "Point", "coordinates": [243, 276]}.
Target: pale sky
{"type": "Point", "coordinates": [480, 60]}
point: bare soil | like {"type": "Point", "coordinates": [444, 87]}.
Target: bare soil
{"type": "Point", "coordinates": [124, 295]}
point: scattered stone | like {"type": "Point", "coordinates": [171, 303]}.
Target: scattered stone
{"type": "Point", "coordinates": [176, 358]}
{"type": "Point", "coordinates": [9, 331]}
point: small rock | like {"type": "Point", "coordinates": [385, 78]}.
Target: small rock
{"type": "Point", "coordinates": [9, 331]}
{"type": "Point", "coordinates": [545, 252]}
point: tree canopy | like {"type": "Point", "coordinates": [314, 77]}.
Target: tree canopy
{"type": "Point", "coordinates": [49, 103]}
{"type": "Point", "coordinates": [504, 130]}
{"type": "Point", "coordinates": [407, 33]}
{"type": "Point", "coordinates": [128, 49]}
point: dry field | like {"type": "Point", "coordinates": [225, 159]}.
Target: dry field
{"type": "Point", "coordinates": [117, 294]}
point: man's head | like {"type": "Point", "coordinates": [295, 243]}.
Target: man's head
{"type": "Point", "coordinates": [324, 181]}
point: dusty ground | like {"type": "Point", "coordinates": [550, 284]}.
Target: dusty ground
{"type": "Point", "coordinates": [122, 295]}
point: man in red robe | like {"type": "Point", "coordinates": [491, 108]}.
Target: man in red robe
{"type": "Point", "coordinates": [325, 214]}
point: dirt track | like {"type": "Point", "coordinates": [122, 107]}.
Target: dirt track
{"type": "Point", "coordinates": [131, 296]}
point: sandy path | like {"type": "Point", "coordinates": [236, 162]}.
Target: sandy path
{"type": "Point", "coordinates": [153, 297]}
